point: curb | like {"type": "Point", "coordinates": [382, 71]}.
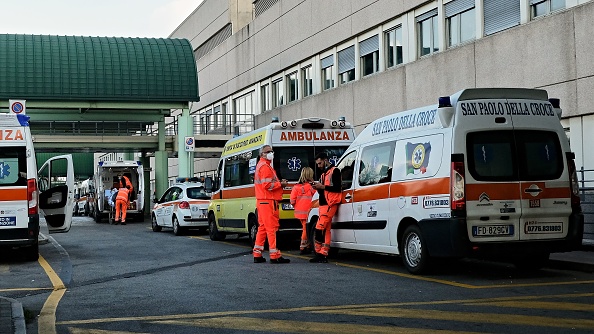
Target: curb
{"type": "Point", "coordinates": [17, 316]}
{"type": "Point", "coordinates": [569, 265]}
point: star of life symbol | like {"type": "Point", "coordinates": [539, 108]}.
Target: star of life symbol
{"type": "Point", "coordinates": [418, 156]}
{"type": "Point", "coordinates": [294, 164]}
{"type": "Point", "coordinates": [4, 170]}
{"type": "Point", "coordinates": [333, 160]}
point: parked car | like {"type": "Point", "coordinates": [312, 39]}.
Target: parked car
{"type": "Point", "coordinates": [183, 206]}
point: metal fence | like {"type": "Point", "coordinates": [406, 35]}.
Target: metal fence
{"type": "Point", "coordinates": [586, 182]}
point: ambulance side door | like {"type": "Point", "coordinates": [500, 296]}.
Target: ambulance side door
{"type": "Point", "coordinates": [371, 198]}
{"type": "Point", "coordinates": [342, 225]}
{"type": "Point", "coordinates": [55, 181]}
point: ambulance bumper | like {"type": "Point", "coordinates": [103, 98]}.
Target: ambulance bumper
{"type": "Point", "coordinates": [449, 238]}
{"type": "Point", "coordinates": [17, 237]}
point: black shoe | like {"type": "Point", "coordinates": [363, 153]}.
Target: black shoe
{"type": "Point", "coordinates": [123, 223]}
{"type": "Point", "coordinates": [305, 251]}
{"type": "Point", "coordinates": [259, 259]}
{"type": "Point", "coordinates": [280, 260]}
{"type": "Point", "coordinates": [319, 259]}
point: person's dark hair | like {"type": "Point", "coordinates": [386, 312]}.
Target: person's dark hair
{"type": "Point", "coordinates": [322, 155]}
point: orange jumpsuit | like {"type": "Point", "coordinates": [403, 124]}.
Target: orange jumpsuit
{"type": "Point", "coordinates": [328, 206]}
{"type": "Point", "coordinates": [121, 204]}
{"type": "Point", "coordinates": [301, 195]}
{"type": "Point", "coordinates": [269, 192]}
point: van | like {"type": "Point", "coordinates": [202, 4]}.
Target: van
{"type": "Point", "coordinates": [232, 209]}
{"type": "Point", "coordinates": [107, 176]}
{"type": "Point", "coordinates": [24, 190]}
{"type": "Point", "coordinates": [486, 172]}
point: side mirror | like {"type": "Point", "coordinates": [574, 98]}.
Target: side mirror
{"type": "Point", "coordinates": [208, 184]}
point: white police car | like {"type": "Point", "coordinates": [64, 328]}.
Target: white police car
{"type": "Point", "coordinates": [183, 206]}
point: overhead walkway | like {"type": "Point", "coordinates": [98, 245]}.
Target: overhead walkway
{"type": "Point", "coordinates": [93, 94]}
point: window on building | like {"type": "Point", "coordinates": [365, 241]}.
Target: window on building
{"type": "Point", "coordinates": [500, 15]}
{"type": "Point", "coordinates": [292, 85]}
{"type": "Point", "coordinates": [243, 114]}
{"type": "Point", "coordinates": [225, 118]}
{"type": "Point", "coordinates": [544, 7]}
{"type": "Point", "coordinates": [306, 79]}
{"type": "Point", "coordinates": [428, 34]}
{"type": "Point", "coordinates": [327, 72]}
{"type": "Point", "coordinates": [203, 123]}
{"type": "Point", "coordinates": [460, 21]}
{"type": "Point", "coordinates": [346, 65]}
{"type": "Point", "coordinates": [394, 50]}
{"type": "Point", "coordinates": [217, 121]}
{"type": "Point", "coordinates": [369, 54]}
{"type": "Point", "coordinates": [265, 97]}
{"type": "Point", "coordinates": [277, 93]}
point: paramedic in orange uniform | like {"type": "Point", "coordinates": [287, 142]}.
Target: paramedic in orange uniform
{"type": "Point", "coordinates": [122, 200]}
{"type": "Point", "coordinates": [301, 195]}
{"type": "Point", "coordinates": [330, 191]}
{"type": "Point", "coordinates": [269, 192]}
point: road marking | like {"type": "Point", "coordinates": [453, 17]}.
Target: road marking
{"type": "Point", "coordinates": [46, 323]}
{"type": "Point", "coordinates": [24, 289]}
{"type": "Point", "coordinates": [289, 326]}
{"type": "Point", "coordinates": [317, 308]}
{"type": "Point", "coordinates": [73, 330]}
{"type": "Point", "coordinates": [474, 317]}
{"type": "Point", "coordinates": [541, 305]}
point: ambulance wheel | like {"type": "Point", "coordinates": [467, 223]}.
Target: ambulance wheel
{"type": "Point", "coordinates": [154, 225]}
{"type": "Point", "coordinates": [177, 230]}
{"type": "Point", "coordinates": [213, 231]}
{"type": "Point", "coordinates": [253, 229]}
{"type": "Point", "coordinates": [413, 250]}
{"type": "Point", "coordinates": [32, 252]}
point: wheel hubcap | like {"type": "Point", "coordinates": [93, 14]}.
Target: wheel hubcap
{"type": "Point", "coordinates": [413, 250]}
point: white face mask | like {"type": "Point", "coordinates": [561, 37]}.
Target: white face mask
{"type": "Point", "coordinates": [270, 156]}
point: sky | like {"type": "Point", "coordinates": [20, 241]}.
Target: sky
{"type": "Point", "coordinates": [121, 18]}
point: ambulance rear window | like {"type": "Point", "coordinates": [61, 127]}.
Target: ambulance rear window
{"type": "Point", "coordinates": [526, 155]}
{"type": "Point", "coordinates": [13, 166]}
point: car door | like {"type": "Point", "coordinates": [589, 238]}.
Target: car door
{"type": "Point", "coordinates": [55, 181]}
{"type": "Point", "coordinates": [342, 224]}
{"type": "Point", "coordinates": [165, 208]}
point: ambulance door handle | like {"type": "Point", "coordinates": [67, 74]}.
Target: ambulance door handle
{"type": "Point", "coordinates": [504, 217]}
{"type": "Point", "coordinates": [484, 218]}
{"type": "Point", "coordinates": [348, 197]}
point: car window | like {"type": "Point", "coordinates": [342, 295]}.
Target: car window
{"type": "Point", "coordinates": [526, 155]}
{"type": "Point", "coordinates": [13, 166]}
{"type": "Point", "coordinates": [197, 193]}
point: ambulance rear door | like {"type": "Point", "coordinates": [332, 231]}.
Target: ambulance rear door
{"type": "Point", "coordinates": [56, 192]}
{"type": "Point", "coordinates": [542, 170]}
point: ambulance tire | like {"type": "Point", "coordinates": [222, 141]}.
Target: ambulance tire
{"type": "Point", "coordinates": [32, 252]}
{"type": "Point", "coordinates": [252, 229]}
{"type": "Point", "coordinates": [154, 225]}
{"type": "Point", "coordinates": [87, 211]}
{"type": "Point", "coordinates": [177, 230]}
{"type": "Point", "coordinates": [532, 262]}
{"type": "Point", "coordinates": [97, 217]}
{"type": "Point", "coordinates": [413, 250]}
{"type": "Point", "coordinates": [213, 231]}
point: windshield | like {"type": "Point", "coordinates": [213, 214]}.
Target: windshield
{"type": "Point", "coordinates": [288, 161]}
{"type": "Point", "coordinates": [197, 193]}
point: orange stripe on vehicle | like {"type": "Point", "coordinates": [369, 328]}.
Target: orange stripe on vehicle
{"type": "Point", "coordinates": [239, 193]}
{"type": "Point", "coordinates": [380, 191]}
{"type": "Point", "coordinates": [13, 194]}
{"type": "Point", "coordinates": [420, 187]}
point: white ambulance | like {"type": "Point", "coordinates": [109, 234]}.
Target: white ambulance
{"type": "Point", "coordinates": [487, 172]}
{"type": "Point", "coordinates": [24, 190]}
{"type": "Point", "coordinates": [107, 176]}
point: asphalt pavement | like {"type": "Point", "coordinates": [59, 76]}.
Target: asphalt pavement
{"type": "Point", "coordinates": [12, 319]}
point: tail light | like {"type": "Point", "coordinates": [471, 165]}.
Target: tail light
{"type": "Point", "coordinates": [32, 196]}
{"type": "Point", "coordinates": [457, 186]}
{"type": "Point", "coordinates": [184, 205]}
{"type": "Point", "coordinates": [573, 182]}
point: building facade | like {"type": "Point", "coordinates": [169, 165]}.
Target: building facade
{"type": "Point", "coordinates": [364, 59]}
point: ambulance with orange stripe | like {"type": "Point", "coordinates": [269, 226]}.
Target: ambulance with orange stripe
{"type": "Point", "coordinates": [295, 143]}
{"type": "Point", "coordinates": [24, 190]}
{"type": "Point", "coordinates": [487, 172]}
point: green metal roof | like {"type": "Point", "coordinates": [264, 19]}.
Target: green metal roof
{"type": "Point", "coordinates": [76, 68]}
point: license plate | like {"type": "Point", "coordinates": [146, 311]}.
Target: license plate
{"type": "Point", "coordinates": [7, 221]}
{"type": "Point", "coordinates": [287, 206]}
{"type": "Point", "coordinates": [492, 230]}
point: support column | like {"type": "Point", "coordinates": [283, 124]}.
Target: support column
{"type": "Point", "coordinates": [161, 163]}
{"type": "Point", "coordinates": [185, 128]}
